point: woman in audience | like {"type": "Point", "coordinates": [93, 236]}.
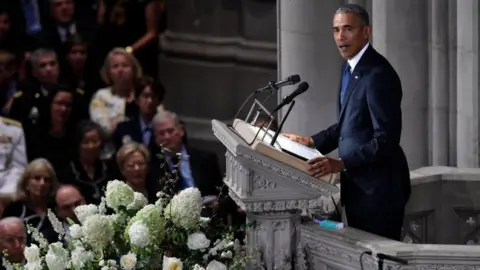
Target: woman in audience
{"type": "Point", "coordinates": [86, 170]}
{"type": "Point", "coordinates": [76, 69]}
{"type": "Point", "coordinates": [36, 191]}
{"type": "Point", "coordinates": [116, 103]}
{"type": "Point", "coordinates": [134, 25]}
{"type": "Point", "coordinates": [51, 136]}
{"type": "Point", "coordinates": [133, 159]}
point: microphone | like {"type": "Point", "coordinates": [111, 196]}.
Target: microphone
{"type": "Point", "coordinates": [302, 87]}
{"type": "Point", "coordinates": [292, 80]}
{"type": "Point", "coordinates": [382, 256]}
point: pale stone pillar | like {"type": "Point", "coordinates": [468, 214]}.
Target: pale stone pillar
{"type": "Point", "coordinates": [306, 47]}
{"type": "Point", "coordinates": [439, 83]}
{"type": "Point", "coordinates": [452, 60]}
{"type": "Point", "coordinates": [400, 33]}
{"type": "Point", "coordinates": [467, 83]}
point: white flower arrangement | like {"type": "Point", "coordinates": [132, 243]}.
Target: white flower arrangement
{"type": "Point", "coordinates": [169, 235]}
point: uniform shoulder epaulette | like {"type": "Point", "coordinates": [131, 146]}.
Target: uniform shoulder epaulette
{"type": "Point", "coordinates": [80, 91]}
{"type": "Point", "coordinates": [18, 94]}
{"type": "Point", "coordinates": [11, 122]}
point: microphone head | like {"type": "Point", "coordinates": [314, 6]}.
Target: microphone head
{"type": "Point", "coordinates": [302, 87]}
{"type": "Point", "coordinates": [294, 79]}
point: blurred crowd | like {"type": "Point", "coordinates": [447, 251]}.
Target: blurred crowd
{"type": "Point", "coordinates": [81, 104]}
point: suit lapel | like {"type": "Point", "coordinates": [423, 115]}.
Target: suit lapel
{"type": "Point", "coordinates": [195, 166]}
{"type": "Point", "coordinates": [137, 130]}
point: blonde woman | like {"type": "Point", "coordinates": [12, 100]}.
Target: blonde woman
{"type": "Point", "coordinates": [116, 103]}
{"type": "Point", "coordinates": [35, 194]}
{"type": "Point", "coordinates": [133, 160]}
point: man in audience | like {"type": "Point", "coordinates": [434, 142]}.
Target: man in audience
{"type": "Point", "coordinates": [13, 239]}
{"type": "Point", "coordinates": [67, 198]}
{"type": "Point", "coordinates": [28, 105]}
{"type": "Point", "coordinates": [149, 95]}
{"type": "Point", "coordinates": [64, 25]}
{"type": "Point", "coordinates": [13, 158]}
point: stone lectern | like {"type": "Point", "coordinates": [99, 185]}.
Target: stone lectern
{"type": "Point", "coordinates": [273, 194]}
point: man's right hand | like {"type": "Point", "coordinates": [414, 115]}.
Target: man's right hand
{"type": "Point", "coordinates": [308, 141]}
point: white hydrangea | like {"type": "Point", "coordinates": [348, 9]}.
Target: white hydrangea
{"type": "Point", "coordinates": [128, 261]}
{"type": "Point", "coordinates": [36, 265]}
{"type": "Point", "coordinates": [139, 234]}
{"type": "Point", "coordinates": [118, 194]}
{"type": "Point", "coordinates": [185, 208]}
{"type": "Point", "coordinates": [139, 201]}
{"type": "Point", "coordinates": [57, 257]}
{"type": "Point", "coordinates": [81, 257]}
{"type": "Point", "coordinates": [98, 231]}
{"type": "Point", "coordinates": [84, 211]}
{"type": "Point", "coordinates": [32, 253]}
{"type": "Point", "coordinates": [216, 265]}
{"type": "Point", "coordinates": [75, 231]}
{"type": "Point", "coordinates": [198, 240]}
{"type": "Point", "coordinates": [150, 216]}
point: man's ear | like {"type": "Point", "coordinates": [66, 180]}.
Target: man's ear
{"type": "Point", "coordinates": [367, 31]}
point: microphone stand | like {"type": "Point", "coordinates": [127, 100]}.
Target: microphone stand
{"type": "Point", "coordinates": [274, 139]}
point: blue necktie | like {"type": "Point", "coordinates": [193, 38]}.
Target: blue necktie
{"type": "Point", "coordinates": [345, 79]}
{"type": "Point", "coordinates": [31, 19]}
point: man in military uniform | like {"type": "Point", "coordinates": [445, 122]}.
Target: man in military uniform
{"type": "Point", "coordinates": [30, 104]}
{"type": "Point", "coordinates": [13, 158]}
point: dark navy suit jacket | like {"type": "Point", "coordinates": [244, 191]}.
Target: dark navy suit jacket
{"type": "Point", "coordinates": [367, 135]}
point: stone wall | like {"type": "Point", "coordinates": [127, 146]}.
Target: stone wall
{"type": "Point", "coordinates": [215, 53]}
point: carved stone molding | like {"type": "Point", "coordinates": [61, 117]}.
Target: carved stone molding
{"type": "Point", "coordinates": [237, 49]}
{"type": "Point", "coordinates": [260, 182]}
{"type": "Point", "coordinates": [278, 170]}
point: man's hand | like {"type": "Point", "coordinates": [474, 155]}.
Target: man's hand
{"type": "Point", "coordinates": [300, 139]}
{"type": "Point", "coordinates": [321, 166]}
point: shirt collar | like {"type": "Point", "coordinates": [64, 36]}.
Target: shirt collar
{"type": "Point", "coordinates": [144, 125]}
{"type": "Point", "coordinates": [354, 61]}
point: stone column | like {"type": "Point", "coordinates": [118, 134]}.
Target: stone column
{"type": "Point", "coordinates": [467, 83]}
{"type": "Point", "coordinates": [439, 83]}
{"type": "Point", "coordinates": [400, 34]}
{"type": "Point", "coordinates": [452, 106]}
{"type": "Point", "coordinates": [306, 47]}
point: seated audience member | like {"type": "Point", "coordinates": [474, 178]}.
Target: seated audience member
{"type": "Point", "coordinates": [132, 160]}
{"type": "Point", "coordinates": [52, 136]}
{"type": "Point", "coordinates": [116, 103]}
{"type": "Point", "coordinates": [13, 158]}
{"type": "Point", "coordinates": [63, 25]}
{"type": "Point", "coordinates": [13, 238]}
{"type": "Point", "coordinates": [76, 69]}
{"type": "Point", "coordinates": [31, 103]}
{"type": "Point", "coordinates": [87, 171]}
{"type": "Point", "coordinates": [149, 96]}
{"type": "Point", "coordinates": [8, 82]}
{"type": "Point", "coordinates": [35, 195]}
{"type": "Point", "coordinates": [67, 199]}
{"type": "Point", "coordinates": [198, 168]}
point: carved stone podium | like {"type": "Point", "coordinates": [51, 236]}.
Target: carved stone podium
{"type": "Point", "coordinates": [272, 194]}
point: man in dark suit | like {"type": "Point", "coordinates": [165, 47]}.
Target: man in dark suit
{"type": "Point", "coordinates": [63, 25]}
{"type": "Point", "coordinates": [375, 181]}
{"type": "Point", "coordinates": [13, 238]}
{"type": "Point", "coordinates": [149, 94]}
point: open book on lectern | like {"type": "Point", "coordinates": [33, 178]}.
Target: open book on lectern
{"type": "Point", "coordinates": [284, 150]}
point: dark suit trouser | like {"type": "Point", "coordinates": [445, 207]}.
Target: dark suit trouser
{"type": "Point", "coordinates": [388, 224]}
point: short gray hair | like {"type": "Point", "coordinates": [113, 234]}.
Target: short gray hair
{"type": "Point", "coordinates": [10, 220]}
{"type": "Point", "coordinates": [41, 52]}
{"type": "Point", "coordinates": [357, 10]}
{"type": "Point", "coordinates": [164, 115]}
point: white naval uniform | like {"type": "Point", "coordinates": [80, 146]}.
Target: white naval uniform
{"type": "Point", "coordinates": [13, 154]}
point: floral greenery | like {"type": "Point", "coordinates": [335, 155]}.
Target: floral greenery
{"type": "Point", "coordinates": [124, 232]}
